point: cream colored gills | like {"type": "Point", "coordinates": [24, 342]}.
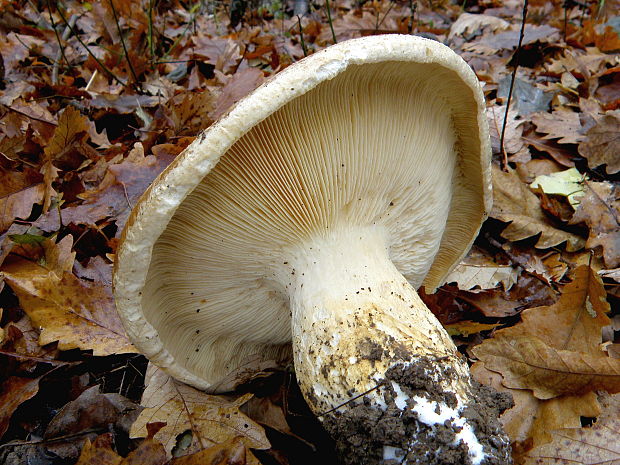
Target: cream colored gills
{"type": "Point", "coordinates": [293, 182]}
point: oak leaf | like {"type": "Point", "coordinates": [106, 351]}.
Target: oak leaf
{"type": "Point", "coordinates": [73, 312]}
{"type": "Point", "coordinates": [575, 322]}
{"type": "Point", "coordinates": [595, 445]}
{"type": "Point", "coordinates": [526, 362]}
{"type": "Point", "coordinates": [514, 203]}
{"type": "Point", "coordinates": [599, 208]}
{"type": "Point", "coordinates": [211, 419]}
{"type": "Point", "coordinates": [602, 143]}
{"type": "Point", "coordinates": [561, 124]}
{"type": "Point", "coordinates": [529, 421]}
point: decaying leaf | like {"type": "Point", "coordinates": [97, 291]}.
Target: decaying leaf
{"type": "Point", "coordinates": [231, 452]}
{"type": "Point", "coordinates": [479, 270]}
{"type": "Point", "coordinates": [595, 445]}
{"type": "Point", "coordinates": [100, 452]}
{"type": "Point", "coordinates": [514, 203]}
{"type": "Point", "coordinates": [526, 362]}
{"type": "Point", "coordinates": [556, 350]}
{"type": "Point", "coordinates": [602, 144]}
{"type": "Point", "coordinates": [528, 423]}
{"type": "Point", "coordinates": [599, 208]}
{"type": "Point", "coordinates": [13, 392]}
{"type": "Point", "coordinates": [210, 419]}
{"type": "Point", "coordinates": [470, 23]}
{"type": "Point", "coordinates": [73, 312]}
{"type": "Point", "coordinates": [562, 124]}
{"type": "Point", "coordinates": [19, 204]}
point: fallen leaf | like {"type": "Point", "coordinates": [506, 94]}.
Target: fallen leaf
{"type": "Point", "coordinates": [492, 43]}
{"type": "Point", "coordinates": [478, 270]}
{"type": "Point", "coordinates": [19, 204]}
{"type": "Point", "coordinates": [514, 203]}
{"type": "Point", "coordinates": [563, 125]}
{"type": "Point", "coordinates": [529, 421]}
{"type": "Point", "coordinates": [468, 23]}
{"type": "Point", "coordinates": [71, 123]}
{"type": "Point", "coordinates": [513, 142]}
{"type": "Point", "coordinates": [211, 419]}
{"type": "Point", "coordinates": [568, 183]}
{"type": "Point", "coordinates": [602, 143]}
{"type": "Point", "coordinates": [100, 452]}
{"type": "Point", "coordinates": [526, 97]}
{"type": "Point", "coordinates": [231, 452]}
{"type": "Point", "coordinates": [599, 208]}
{"type": "Point", "coordinates": [73, 312]}
{"type": "Point", "coordinates": [467, 328]}
{"type": "Point", "coordinates": [574, 322]}
{"type": "Point", "coordinates": [13, 392]}
{"type": "Point", "coordinates": [526, 362]}
{"type": "Point", "coordinates": [240, 85]}
{"type": "Point", "coordinates": [594, 445]}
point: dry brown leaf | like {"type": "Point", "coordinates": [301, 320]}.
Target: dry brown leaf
{"type": "Point", "coordinates": [231, 452]}
{"type": "Point", "coordinates": [13, 392]}
{"type": "Point", "coordinates": [468, 23]}
{"type": "Point", "coordinates": [71, 124]}
{"type": "Point", "coordinates": [19, 204]}
{"type": "Point", "coordinates": [211, 419]}
{"type": "Point", "coordinates": [595, 445]}
{"type": "Point", "coordinates": [602, 143]}
{"type": "Point", "coordinates": [513, 141]}
{"type": "Point", "coordinates": [561, 124]}
{"type": "Point", "coordinates": [574, 322]}
{"type": "Point", "coordinates": [514, 203]}
{"type": "Point", "coordinates": [599, 208]}
{"type": "Point", "coordinates": [478, 270]}
{"type": "Point", "coordinates": [73, 312]}
{"type": "Point", "coordinates": [100, 452]}
{"type": "Point", "coordinates": [526, 362]}
{"type": "Point", "coordinates": [240, 85]}
{"type": "Point", "coordinates": [467, 328]}
{"type": "Point", "coordinates": [528, 423]}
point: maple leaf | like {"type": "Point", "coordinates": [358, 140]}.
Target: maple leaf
{"type": "Point", "coordinates": [599, 208]}
{"type": "Point", "coordinates": [514, 203]}
{"type": "Point", "coordinates": [13, 392]}
{"type": "Point", "coordinates": [560, 124]}
{"type": "Point", "coordinates": [602, 144]}
{"type": "Point", "coordinates": [211, 419]}
{"type": "Point", "coordinates": [75, 313]}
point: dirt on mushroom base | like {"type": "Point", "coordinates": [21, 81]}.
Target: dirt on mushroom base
{"type": "Point", "coordinates": [396, 435]}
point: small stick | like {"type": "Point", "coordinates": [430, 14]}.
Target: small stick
{"type": "Point", "coordinates": [352, 399]}
{"type": "Point", "coordinates": [120, 35]}
{"type": "Point", "coordinates": [512, 82]}
{"type": "Point", "coordinates": [301, 36]}
{"type": "Point", "coordinates": [329, 19]}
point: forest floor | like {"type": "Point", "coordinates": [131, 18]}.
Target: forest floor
{"type": "Point", "coordinates": [96, 99]}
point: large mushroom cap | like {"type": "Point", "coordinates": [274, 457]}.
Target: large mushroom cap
{"type": "Point", "coordinates": [385, 132]}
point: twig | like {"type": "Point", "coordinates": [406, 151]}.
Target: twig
{"type": "Point", "coordinates": [301, 36]}
{"type": "Point", "coordinates": [329, 19]}
{"type": "Point", "coordinates": [101, 65]}
{"type": "Point", "coordinates": [31, 117]}
{"type": "Point", "coordinates": [149, 37]}
{"type": "Point", "coordinates": [120, 34]}
{"type": "Point", "coordinates": [60, 40]}
{"type": "Point", "coordinates": [512, 82]}
{"type": "Point", "coordinates": [352, 399]}
{"type": "Point", "coordinates": [37, 359]}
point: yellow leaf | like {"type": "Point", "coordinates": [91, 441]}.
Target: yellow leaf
{"type": "Point", "coordinates": [67, 309]}
{"type": "Point", "coordinates": [211, 419]}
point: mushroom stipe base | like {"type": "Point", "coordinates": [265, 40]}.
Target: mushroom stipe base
{"type": "Point", "coordinates": [366, 434]}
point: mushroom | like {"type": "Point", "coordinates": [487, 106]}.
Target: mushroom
{"type": "Point", "coordinates": [310, 213]}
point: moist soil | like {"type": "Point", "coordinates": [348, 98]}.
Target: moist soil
{"type": "Point", "coordinates": [363, 429]}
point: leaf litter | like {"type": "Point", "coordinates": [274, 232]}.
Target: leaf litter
{"type": "Point", "coordinates": [85, 127]}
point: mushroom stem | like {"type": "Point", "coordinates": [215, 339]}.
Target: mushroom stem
{"type": "Point", "coordinates": [360, 327]}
